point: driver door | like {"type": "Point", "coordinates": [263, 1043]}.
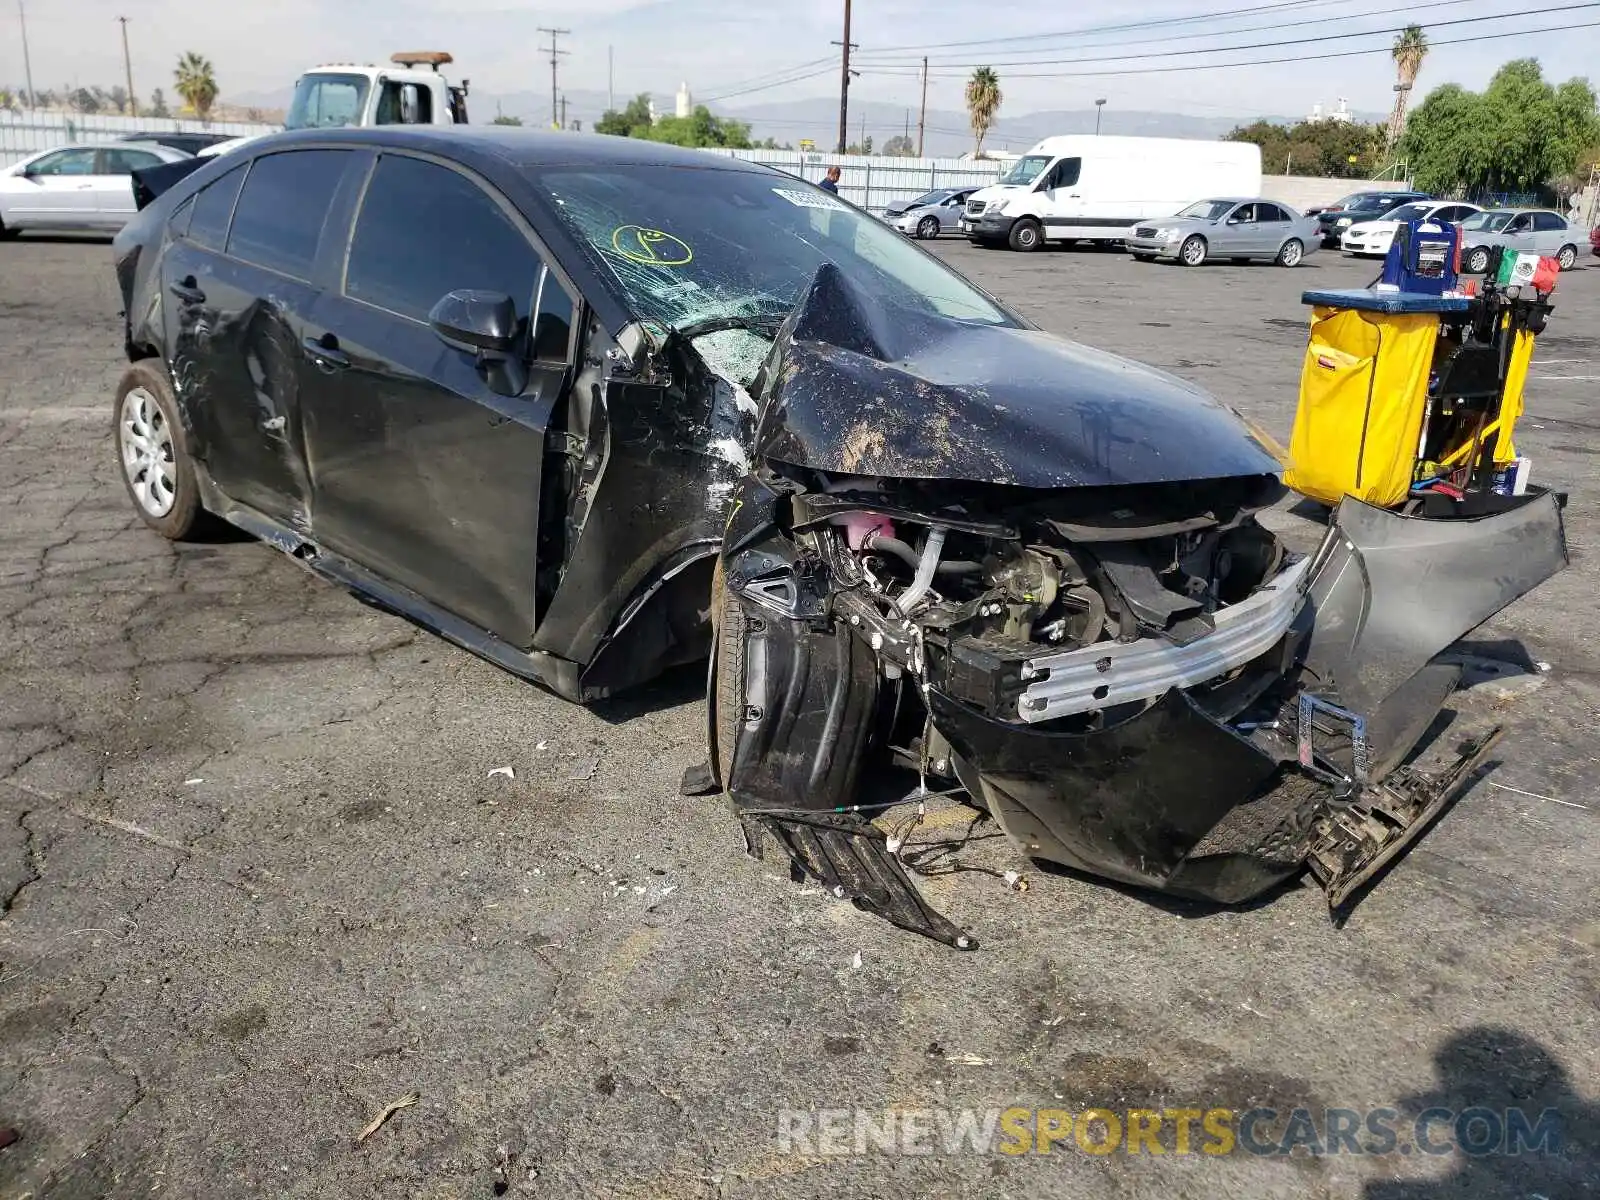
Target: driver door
{"type": "Point", "coordinates": [1241, 234]}
{"type": "Point", "coordinates": [58, 190]}
{"type": "Point", "coordinates": [1064, 207]}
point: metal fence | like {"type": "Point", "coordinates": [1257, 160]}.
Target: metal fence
{"type": "Point", "coordinates": [874, 181]}
{"type": "Point", "coordinates": [28, 131]}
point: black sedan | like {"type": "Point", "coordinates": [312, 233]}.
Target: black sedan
{"type": "Point", "coordinates": [591, 407]}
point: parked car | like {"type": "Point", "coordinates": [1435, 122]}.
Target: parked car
{"type": "Point", "coordinates": [76, 187]}
{"type": "Point", "coordinates": [1374, 237]}
{"type": "Point", "coordinates": [1083, 187]}
{"type": "Point", "coordinates": [931, 214]}
{"type": "Point", "coordinates": [189, 143]}
{"type": "Point", "coordinates": [1230, 228]}
{"type": "Point", "coordinates": [1360, 206]}
{"type": "Point", "coordinates": [1536, 229]}
{"type": "Point", "coordinates": [1594, 241]}
{"type": "Point", "coordinates": [591, 407]}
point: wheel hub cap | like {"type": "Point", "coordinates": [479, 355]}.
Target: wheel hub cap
{"type": "Point", "coordinates": [147, 458]}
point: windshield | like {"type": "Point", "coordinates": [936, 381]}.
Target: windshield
{"type": "Point", "coordinates": [1026, 169]}
{"type": "Point", "coordinates": [1487, 220]}
{"type": "Point", "coordinates": [929, 198]}
{"type": "Point", "coordinates": [1206, 210]}
{"type": "Point", "coordinates": [691, 246]}
{"type": "Point", "coordinates": [1407, 212]}
{"type": "Point", "coordinates": [1347, 201]}
{"type": "Point", "coordinates": [325, 101]}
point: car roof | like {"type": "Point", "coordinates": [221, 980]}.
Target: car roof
{"type": "Point", "coordinates": [523, 149]}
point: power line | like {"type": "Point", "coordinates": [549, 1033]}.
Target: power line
{"type": "Point", "coordinates": [1300, 41]}
{"type": "Point", "coordinates": [1262, 62]}
{"type": "Point", "coordinates": [774, 79]}
{"type": "Point", "coordinates": [894, 57]}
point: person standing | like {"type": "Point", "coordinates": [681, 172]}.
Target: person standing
{"type": "Point", "coordinates": [830, 181]}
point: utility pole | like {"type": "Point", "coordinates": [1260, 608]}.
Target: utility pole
{"type": "Point", "coordinates": [844, 82]}
{"type": "Point", "coordinates": [611, 79]}
{"type": "Point", "coordinates": [563, 110]}
{"type": "Point", "coordinates": [922, 118]}
{"type": "Point", "coordinates": [27, 66]}
{"type": "Point", "coordinates": [554, 57]}
{"type": "Point", "coordinates": [127, 66]}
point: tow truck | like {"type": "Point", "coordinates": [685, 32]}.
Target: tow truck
{"type": "Point", "coordinates": [409, 91]}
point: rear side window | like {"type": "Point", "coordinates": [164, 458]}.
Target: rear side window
{"type": "Point", "coordinates": [1548, 221]}
{"type": "Point", "coordinates": [213, 208]}
{"type": "Point", "coordinates": [285, 199]}
{"type": "Point", "coordinates": [425, 231]}
{"type": "Point", "coordinates": [126, 162]}
{"type": "Point", "coordinates": [1270, 212]}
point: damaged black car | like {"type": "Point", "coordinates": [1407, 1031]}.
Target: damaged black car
{"type": "Point", "coordinates": [592, 407]}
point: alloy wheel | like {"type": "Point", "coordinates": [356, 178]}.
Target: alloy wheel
{"type": "Point", "coordinates": [147, 459]}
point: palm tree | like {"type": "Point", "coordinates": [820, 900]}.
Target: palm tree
{"type": "Point", "coordinates": [983, 103]}
{"type": "Point", "coordinates": [1410, 48]}
{"type": "Point", "coordinates": [196, 83]}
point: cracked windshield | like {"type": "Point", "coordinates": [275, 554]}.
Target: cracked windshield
{"type": "Point", "coordinates": [678, 244]}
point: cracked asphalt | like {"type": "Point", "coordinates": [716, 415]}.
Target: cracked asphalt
{"type": "Point", "coordinates": [257, 881]}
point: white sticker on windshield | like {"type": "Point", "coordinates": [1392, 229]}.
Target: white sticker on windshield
{"type": "Point", "coordinates": [810, 199]}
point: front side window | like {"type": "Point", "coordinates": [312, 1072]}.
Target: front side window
{"type": "Point", "coordinates": [684, 246]}
{"type": "Point", "coordinates": [1026, 169]}
{"type": "Point", "coordinates": [1066, 173]}
{"type": "Point", "coordinates": [1205, 210]}
{"type": "Point", "coordinates": [1244, 214]}
{"type": "Point", "coordinates": [64, 162]}
{"type": "Point", "coordinates": [425, 231]}
{"type": "Point", "coordinates": [327, 101]}
{"type": "Point", "coordinates": [391, 109]}
{"type": "Point", "coordinates": [286, 197]}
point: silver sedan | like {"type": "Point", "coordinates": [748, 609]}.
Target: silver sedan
{"type": "Point", "coordinates": [1234, 228]}
{"type": "Point", "coordinates": [76, 187]}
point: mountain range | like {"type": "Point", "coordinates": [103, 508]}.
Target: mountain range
{"type": "Point", "coordinates": [947, 133]}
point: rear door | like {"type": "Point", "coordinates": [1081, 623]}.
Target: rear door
{"type": "Point", "coordinates": [1550, 233]}
{"type": "Point", "coordinates": [420, 471]}
{"type": "Point", "coordinates": [1273, 225]}
{"type": "Point", "coordinates": [113, 193]}
{"type": "Point", "coordinates": [57, 189]}
{"type": "Point", "coordinates": [237, 288]}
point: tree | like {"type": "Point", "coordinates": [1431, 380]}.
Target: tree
{"type": "Point", "coordinates": [158, 105]}
{"type": "Point", "coordinates": [899, 146]}
{"type": "Point", "coordinates": [1518, 135]}
{"type": "Point", "coordinates": [85, 101]}
{"type": "Point", "coordinates": [1323, 148]}
{"type": "Point", "coordinates": [622, 124]}
{"type": "Point", "coordinates": [700, 128]}
{"type": "Point", "coordinates": [1410, 48]}
{"type": "Point", "coordinates": [8, 100]}
{"type": "Point", "coordinates": [117, 97]}
{"type": "Point", "coordinates": [196, 82]}
{"type": "Point", "coordinates": [503, 120]}
{"type": "Point", "coordinates": [983, 103]}
{"type": "Point", "coordinates": [772, 144]}
{"type": "Point", "coordinates": [864, 146]}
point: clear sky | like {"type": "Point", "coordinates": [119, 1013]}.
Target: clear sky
{"type": "Point", "coordinates": [722, 46]}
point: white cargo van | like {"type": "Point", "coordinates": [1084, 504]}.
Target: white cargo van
{"type": "Point", "coordinates": [1093, 188]}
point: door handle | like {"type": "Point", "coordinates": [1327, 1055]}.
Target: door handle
{"type": "Point", "coordinates": [325, 352]}
{"type": "Point", "coordinates": [186, 291]}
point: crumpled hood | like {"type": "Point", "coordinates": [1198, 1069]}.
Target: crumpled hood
{"type": "Point", "coordinates": [858, 387]}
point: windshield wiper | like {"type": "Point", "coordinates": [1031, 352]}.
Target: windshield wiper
{"type": "Point", "coordinates": [768, 325]}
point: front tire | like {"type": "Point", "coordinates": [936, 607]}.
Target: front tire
{"type": "Point", "coordinates": [1193, 251]}
{"type": "Point", "coordinates": [1567, 257]}
{"type": "Point", "coordinates": [1026, 235]}
{"type": "Point", "coordinates": [6, 232]}
{"type": "Point", "coordinates": [928, 228]}
{"type": "Point", "coordinates": [1291, 253]}
{"type": "Point", "coordinates": [1477, 260]}
{"type": "Point", "coordinates": [1145, 257]}
{"type": "Point", "coordinates": [157, 471]}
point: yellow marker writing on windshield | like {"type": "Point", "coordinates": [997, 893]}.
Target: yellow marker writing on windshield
{"type": "Point", "coordinates": [651, 247]}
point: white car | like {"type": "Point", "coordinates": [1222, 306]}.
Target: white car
{"type": "Point", "coordinates": [76, 187]}
{"type": "Point", "coordinates": [1374, 237]}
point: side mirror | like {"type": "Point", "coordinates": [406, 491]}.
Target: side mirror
{"type": "Point", "coordinates": [410, 107]}
{"type": "Point", "coordinates": [485, 325]}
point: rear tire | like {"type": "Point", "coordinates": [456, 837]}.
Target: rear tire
{"type": "Point", "coordinates": [1291, 253]}
{"type": "Point", "coordinates": [1193, 251]}
{"type": "Point", "coordinates": [727, 674]}
{"type": "Point", "coordinates": [1477, 260]}
{"type": "Point", "coordinates": [153, 453]}
{"type": "Point", "coordinates": [928, 228]}
{"type": "Point", "coordinates": [1567, 256]}
{"type": "Point", "coordinates": [1026, 235]}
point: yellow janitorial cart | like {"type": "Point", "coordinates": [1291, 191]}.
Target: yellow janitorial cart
{"type": "Point", "coordinates": [1409, 400]}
